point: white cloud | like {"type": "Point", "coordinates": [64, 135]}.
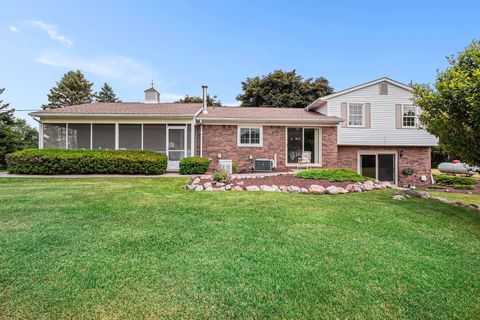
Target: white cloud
{"type": "Point", "coordinates": [51, 31]}
{"type": "Point", "coordinates": [13, 29]}
{"type": "Point", "coordinates": [115, 67]}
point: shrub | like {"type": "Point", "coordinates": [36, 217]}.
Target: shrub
{"type": "Point", "coordinates": [60, 161]}
{"type": "Point", "coordinates": [234, 168]}
{"type": "Point", "coordinates": [194, 165]}
{"type": "Point", "coordinates": [221, 176]}
{"type": "Point", "coordinates": [332, 175]}
{"type": "Point", "coordinates": [446, 180]}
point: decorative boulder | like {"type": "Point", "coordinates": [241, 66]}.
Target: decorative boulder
{"type": "Point", "coordinates": [237, 188]}
{"type": "Point", "coordinates": [196, 181]}
{"type": "Point", "coordinates": [293, 189]}
{"type": "Point", "coordinates": [367, 186]}
{"type": "Point", "coordinates": [283, 188]}
{"type": "Point", "coordinates": [303, 190]}
{"type": "Point", "coordinates": [240, 183]}
{"type": "Point", "coordinates": [252, 188]}
{"type": "Point", "coordinates": [199, 188]}
{"type": "Point", "coordinates": [342, 190]}
{"type": "Point", "coordinates": [316, 189]}
{"type": "Point", "coordinates": [228, 187]}
{"type": "Point", "coordinates": [267, 188]}
{"type": "Point", "coordinates": [331, 190]}
{"type": "Point", "coordinates": [399, 197]}
{"type": "Point", "coordinates": [350, 187]}
{"type": "Point", "coordinates": [207, 184]}
{"type": "Point", "coordinates": [220, 184]}
{"type": "Point", "coordinates": [424, 195]}
{"type": "Point", "coordinates": [357, 189]}
{"type": "Point", "coordinates": [358, 185]}
{"type": "Point", "coordinates": [209, 189]}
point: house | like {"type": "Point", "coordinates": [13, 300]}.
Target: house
{"type": "Point", "coordinates": [371, 128]}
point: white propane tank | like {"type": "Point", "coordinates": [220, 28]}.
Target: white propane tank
{"type": "Point", "coordinates": [459, 168]}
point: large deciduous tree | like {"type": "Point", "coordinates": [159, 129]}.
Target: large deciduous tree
{"type": "Point", "coordinates": [72, 89]}
{"type": "Point", "coordinates": [283, 90]}
{"type": "Point", "coordinates": [211, 101]}
{"type": "Point", "coordinates": [106, 94]}
{"type": "Point", "coordinates": [15, 134]}
{"type": "Point", "coordinates": [451, 108]}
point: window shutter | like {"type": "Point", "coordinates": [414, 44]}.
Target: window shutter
{"type": "Point", "coordinates": [368, 116]}
{"type": "Point", "coordinates": [398, 116]}
{"type": "Point", "coordinates": [344, 115]}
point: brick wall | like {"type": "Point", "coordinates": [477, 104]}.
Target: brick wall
{"type": "Point", "coordinates": [223, 139]}
{"type": "Point", "coordinates": [417, 158]}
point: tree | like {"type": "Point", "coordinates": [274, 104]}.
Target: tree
{"type": "Point", "coordinates": [72, 89]}
{"type": "Point", "coordinates": [15, 134]}
{"type": "Point", "coordinates": [211, 101]}
{"type": "Point", "coordinates": [106, 94]}
{"type": "Point", "coordinates": [283, 90]}
{"type": "Point", "coordinates": [451, 108]}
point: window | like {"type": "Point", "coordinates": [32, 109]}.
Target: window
{"type": "Point", "coordinates": [300, 140]}
{"type": "Point", "coordinates": [79, 136]}
{"type": "Point", "coordinates": [355, 114]}
{"type": "Point", "coordinates": [54, 135]}
{"type": "Point", "coordinates": [130, 136]}
{"type": "Point", "coordinates": [249, 136]}
{"type": "Point", "coordinates": [155, 137]}
{"type": "Point", "coordinates": [103, 136]}
{"type": "Point", "coordinates": [409, 116]}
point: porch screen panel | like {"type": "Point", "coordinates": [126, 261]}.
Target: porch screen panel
{"type": "Point", "coordinates": [130, 136]}
{"type": "Point", "coordinates": [103, 136]}
{"type": "Point", "coordinates": [154, 137]}
{"type": "Point", "coordinates": [54, 135]}
{"type": "Point", "coordinates": [79, 136]}
{"type": "Point", "coordinates": [311, 143]}
{"type": "Point", "coordinates": [189, 140]}
{"type": "Point", "coordinates": [294, 144]}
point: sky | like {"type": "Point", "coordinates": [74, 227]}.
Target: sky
{"type": "Point", "coordinates": [182, 44]}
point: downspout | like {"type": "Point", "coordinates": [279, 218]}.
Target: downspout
{"type": "Point", "coordinates": [201, 139]}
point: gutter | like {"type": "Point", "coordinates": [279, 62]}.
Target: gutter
{"type": "Point", "coordinates": [110, 115]}
{"type": "Point", "coordinates": [274, 120]}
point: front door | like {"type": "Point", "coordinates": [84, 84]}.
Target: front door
{"type": "Point", "coordinates": [381, 166]}
{"type": "Point", "coordinates": [176, 146]}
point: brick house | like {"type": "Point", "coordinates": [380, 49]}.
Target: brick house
{"type": "Point", "coordinates": [371, 128]}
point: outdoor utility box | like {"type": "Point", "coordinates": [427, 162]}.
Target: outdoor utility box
{"type": "Point", "coordinates": [262, 165]}
{"type": "Point", "coordinates": [225, 165]}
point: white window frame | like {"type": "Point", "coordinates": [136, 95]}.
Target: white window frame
{"type": "Point", "coordinates": [363, 115]}
{"type": "Point", "coordinates": [239, 144]}
{"type": "Point", "coordinates": [415, 118]}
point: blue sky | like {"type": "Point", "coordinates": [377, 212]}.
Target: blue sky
{"type": "Point", "coordinates": [182, 44]}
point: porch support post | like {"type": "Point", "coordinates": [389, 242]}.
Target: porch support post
{"type": "Point", "coordinates": [192, 138]}
{"type": "Point", "coordinates": [116, 136]}
{"type": "Point", "coordinates": [40, 135]}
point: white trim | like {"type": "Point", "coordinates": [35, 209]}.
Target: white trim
{"type": "Point", "coordinates": [117, 136]}
{"type": "Point", "coordinates": [321, 120]}
{"type": "Point", "coordinates": [320, 147]}
{"type": "Point", "coordinates": [376, 152]}
{"type": "Point", "coordinates": [40, 135]}
{"type": "Point", "coordinates": [415, 118]}
{"type": "Point", "coordinates": [141, 136]}
{"type": "Point", "coordinates": [315, 104]}
{"type": "Point", "coordinates": [239, 144]}
{"type": "Point", "coordinates": [192, 139]}
{"type": "Point", "coordinates": [110, 115]}
{"type": "Point", "coordinates": [363, 115]}
{"type": "Point", "coordinates": [66, 135]}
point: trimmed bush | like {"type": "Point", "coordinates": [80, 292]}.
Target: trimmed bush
{"type": "Point", "coordinates": [332, 175]}
{"type": "Point", "coordinates": [446, 180]}
{"type": "Point", "coordinates": [221, 176]}
{"type": "Point", "coordinates": [60, 161]}
{"type": "Point", "coordinates": [194, 165]}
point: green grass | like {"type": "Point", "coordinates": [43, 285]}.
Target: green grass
{"type": "Point", "coordinates": [144, 248]}
{"type": "Point", "coordinates": [331, 175]}
{"type": "Point", "coordinates": [462, 197]}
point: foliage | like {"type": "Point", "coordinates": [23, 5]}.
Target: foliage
{"type": "Point", "coordinates": [15, 134]}
{"type": "Point", "coordinates": [60, 161]}
{"type": "Point", "coordinates": [333, 175]}
{"type": "Point", "coordinates": [194, 165]}
{"type": "Point", "coordinates": [131, 248]}
{"type": "Point", "coordinates": [438, 156]}
{"type": "Point", "coordinates": [234, 168]}
{"type": "Point", "coordinates": [447, 180]}
{"type": "Point", "coordinates": [221, 176]}
{"type": "Point", "coordinates": [72, 89]}
{"type": "Point", "coordinates": [451, 109]}
{"type": "Point", "coordinates": [211, 101]}
{"type": "Point", "coordinates": [106, 94]}
{"type": "Point", "coordinates": [407, 172]}
{"type": "Point", "coordinates": [283, 90]}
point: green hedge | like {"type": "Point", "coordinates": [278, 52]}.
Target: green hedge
{"type": "Point", "coordinates": [333, 175]}
{"type": "Point", "coordinates": [194, 165]}
{"type": "Point", "coordinates": [446, 180]}
{"type": "Point", "coordinates": [60, 161]}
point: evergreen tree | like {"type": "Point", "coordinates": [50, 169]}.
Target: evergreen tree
{"type": "Point", "coordinates": [106, 94]}
{"type": "Point", "coordinates": [6, 115]}
{"type": "Point", "coordinates": [72, 89]}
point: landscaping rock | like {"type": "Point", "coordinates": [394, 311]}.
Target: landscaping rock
{"type": "Point", "coordinates": [357, 189]}
{"type": "Point", "coordinates": [342, 190]}
{"type": "Point", "coordinates": [196, 181]}
{"type": "Point", "coordinates": [220, 184]}
{"type": "Point", "coordinates": [267, 188]}
{"type": "Point", "coordinates": [293, 189]}
{"type": "Point", "coordinates": [368, 182]}
{"type": "Point", "coordinates": [207, 184]}
{"type": "Point", "coordinates": [199, 188]}
{"type": "Point", "coordinates": [358, 185]}
{"type": "Point", "coordinates": [240, 183]}
{"type": "Point", "coordinates": [283, 188]}
{"type": "Point", "coordinates": [440, 199]}
{"type": "Point", "coordinates": [316, 189]}
{"type": "Point", "coordinates": [424, 195]}
{"type": "Point", "coordinates": [228, 187]}
{"type": "Point", "coordinates": [399, 197]}
{"type": "Point", "coordinates": [332, 190]}
{"type": "Point", "coordinates": [367, 186]}
{"type": "Point", "coordinates": [209, 189]}
{"type": "Point", "coordinates": [237, 188]}
{"type": "Point", "coordinates": [252, 188]}
{"type": "Point", "coordinates": [303, 190]}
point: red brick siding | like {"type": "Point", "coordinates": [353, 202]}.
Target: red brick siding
{"type": "Point", "coordinates": [417, 158]}
{"type": "Point", "coordinates": [329, 147]}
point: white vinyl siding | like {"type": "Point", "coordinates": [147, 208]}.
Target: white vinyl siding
{"type": "Point", "coordinates": [383, 129]}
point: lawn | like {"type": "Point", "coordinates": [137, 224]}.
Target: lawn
{"type": "Point", "coordinates": [462, 197]}
{"type": "Point", "coordinates": [144, 248]}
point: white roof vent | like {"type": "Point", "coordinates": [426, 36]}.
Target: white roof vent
{"type": "Point", "coordinates": [152, 95]}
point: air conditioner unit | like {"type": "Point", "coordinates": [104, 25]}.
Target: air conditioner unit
{"type": "Point", "coordinates": [225, 165]}
{"type": "Point", "coordinates": [264, 165]}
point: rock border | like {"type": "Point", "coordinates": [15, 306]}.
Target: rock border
{"type": "Point", "coordinates": [233, 185]}
{"type": "Point", "coordinates": [404, 194]}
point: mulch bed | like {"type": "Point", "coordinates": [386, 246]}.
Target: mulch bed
{"type": "Point", "coordinates": [286, 180]}
{"type": "Point", "coordinates": [474, 191]}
